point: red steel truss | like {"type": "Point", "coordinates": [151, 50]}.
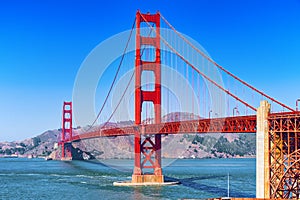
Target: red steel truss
{"type": "Point", "coordinates": [284, 153]}
{"type": "Point", "coordinates": [240, 124]}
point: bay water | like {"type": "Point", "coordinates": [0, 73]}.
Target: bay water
{"type": "Point", "coordinates": [22, 178]}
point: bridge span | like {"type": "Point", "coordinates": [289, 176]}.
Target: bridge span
{"type": "Point", "coordinates": [277, 133]}
{"type": "Point", "coordinates": [240, 124]}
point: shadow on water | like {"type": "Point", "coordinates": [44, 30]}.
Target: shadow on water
{"type": "Point", "coordinates": [95, 165]}
{"type": "Point", "coordinates": [84, 165]}
{"type": "Point", "coordinates": [219, 192]}
{"type": "Point", "coordinates": [115, 167]}
{"type": "Point", "coordinates": [192, 182]}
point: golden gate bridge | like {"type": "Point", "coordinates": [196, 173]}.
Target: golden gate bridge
{"type": "Point", "coordinates": [278, 138]}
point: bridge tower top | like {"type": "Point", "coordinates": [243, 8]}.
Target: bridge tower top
{"type": "Point", "coordinates": [144, 43]}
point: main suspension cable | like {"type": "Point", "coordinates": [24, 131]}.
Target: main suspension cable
{"type": "Point", "coordinates": [199, 72]}
{"type": "Point", "coordinates": [223, 69]}
{"type": "Point", "coordinates": [116, 75]}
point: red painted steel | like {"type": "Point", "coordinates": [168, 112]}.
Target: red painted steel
{"type": "Point", "coordinates": [240, 124]}
{"type": "Point", "coordinates": [146, 146]}
{"type": "Point", "coordinates": [66, 133]}
{"type": "Point", "coordinates": [284, 154]}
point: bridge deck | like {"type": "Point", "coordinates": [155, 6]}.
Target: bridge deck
{"type": "Point", "coordinates": [239, 124]}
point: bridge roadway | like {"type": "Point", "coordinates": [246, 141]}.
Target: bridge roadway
{"type": "Point", "coordinates": [238, 124]}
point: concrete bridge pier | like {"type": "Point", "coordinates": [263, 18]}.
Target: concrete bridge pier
{"type": "Point", "coordinates": [66, 151]}
{"type": "Point", "coordinates": [262, 151]}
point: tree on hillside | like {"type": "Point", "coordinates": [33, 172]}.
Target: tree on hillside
{"type": "Point", "coordinates": [36, 141]}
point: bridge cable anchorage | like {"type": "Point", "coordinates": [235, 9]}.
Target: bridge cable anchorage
{"type": "Point", "coordinates": [115, 78]}
{"type": "Point", "coordinates": [202, 74]}
{"type": "Point", "coordinates": [223, 69]}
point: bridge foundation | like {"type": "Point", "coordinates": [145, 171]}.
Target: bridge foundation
{"type": "Point", "coordinates": [262, 151]}
{"type": "Point", "coordinates": [66, 151]}
{"type": "Point", "coordinates": [147, 178]}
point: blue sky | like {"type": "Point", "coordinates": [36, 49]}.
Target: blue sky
{"type": "Point", "coordinates": [43, 43]}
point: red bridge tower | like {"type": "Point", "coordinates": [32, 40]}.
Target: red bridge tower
{"type": "Point", "coordinates": [147, 147]}
{"type": "Point", "coordinates": [66, 133]}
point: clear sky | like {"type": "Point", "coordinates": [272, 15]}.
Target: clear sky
{"type": "Point", "coordinates": [43, 43]}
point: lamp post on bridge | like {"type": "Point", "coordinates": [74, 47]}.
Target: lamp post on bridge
{"type": "Point", "coordinates": [298, 100]}
{"type": "Point", "coordinates": [209, 114]}
{"type": "Point", "coordinates": [237, 111]}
